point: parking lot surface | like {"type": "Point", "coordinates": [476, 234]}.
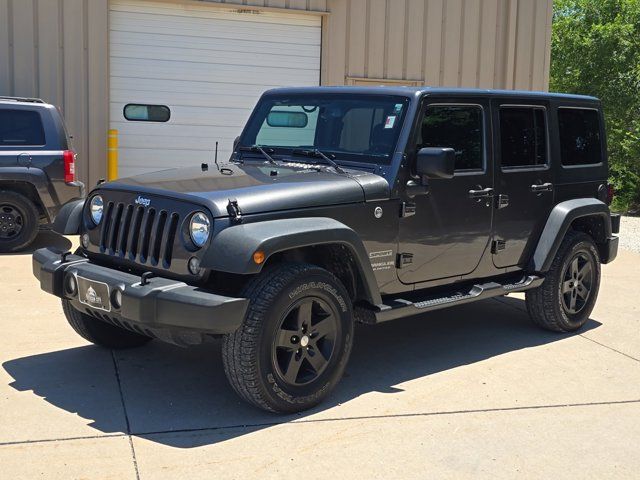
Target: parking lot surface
{"type": "Point", "coordinates": [476, 391]}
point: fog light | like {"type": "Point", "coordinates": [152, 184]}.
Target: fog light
{"type": "Point", "coordinates": [84, 239]}
{"type": "Point", "coordinates": [194, 265]}
{"type": "Point", "coordinates": [71, 285]}
{"type": "Point", "coordinates": [116, 301]}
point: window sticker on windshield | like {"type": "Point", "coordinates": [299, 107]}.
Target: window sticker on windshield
{"type": "Point", "coordinates": [398, 108]}
{"type": "Point", "coordinates": [390, 121]}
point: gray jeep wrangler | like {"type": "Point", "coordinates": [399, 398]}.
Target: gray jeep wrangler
{"type": "Point", "coordinates": [342, 205]}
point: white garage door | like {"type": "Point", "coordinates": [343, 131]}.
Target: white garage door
{"type": "Point", "coordinates": [208, 66]}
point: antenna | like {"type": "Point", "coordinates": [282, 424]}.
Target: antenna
{"type": "Point", "coordinates": [215, 160]}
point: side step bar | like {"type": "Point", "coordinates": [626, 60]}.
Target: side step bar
{"type": "Point", "coordinates": [405, 308]}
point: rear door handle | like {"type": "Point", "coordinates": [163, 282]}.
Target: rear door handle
{"type": "Point", "coordinates": [545, 187]}
{"type": "Point", "coordinates": [485, 192]}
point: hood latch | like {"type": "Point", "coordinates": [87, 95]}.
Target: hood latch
{"type": "Point", "coordinates": [234, 210]}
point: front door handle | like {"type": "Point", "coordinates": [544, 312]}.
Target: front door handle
{"type": "Point", "coordinates": [545, 187]}
{"type": "Point", "coordinates": [485, 192]}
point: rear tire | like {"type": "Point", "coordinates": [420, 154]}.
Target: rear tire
{"type": "Point", "coordinates": [18, 222]}
{"type": "Point", "coordinates": [565, 300]}
{"type": "Point", "coordinates": [99, 332]}
{"type": "Point", "coordinates": [295, 341]}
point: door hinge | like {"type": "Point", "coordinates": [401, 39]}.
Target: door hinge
{"type": "Point", "coordinates": [404, 259]}
{"type": "Point", "coordinates": [407, 209]}
{"type": "Point", "coordinates": [234, 210]}
{"type": "Point", "coordinates": [498, 246]}
{"type": "Point", "coordinates": [502, 201]}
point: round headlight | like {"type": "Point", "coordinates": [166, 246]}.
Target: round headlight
{"type": "Point", "coordinates": [96, 206]}
{"type": "Point", "coordinates": [199, 228]}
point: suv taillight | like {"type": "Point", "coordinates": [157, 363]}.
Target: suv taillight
{"type": "Point", "coordinates": [69, 158]}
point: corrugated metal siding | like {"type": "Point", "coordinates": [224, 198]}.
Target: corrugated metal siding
{"type": "Point", "coordinates": [58, 50]}
{"type": "Point", "coordinates": [457, 43]}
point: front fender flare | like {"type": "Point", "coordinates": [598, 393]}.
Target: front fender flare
{"type": "Point", "coordinates": [558, 224]}
{"type": "Point", "coordinates": [69, 218]}
{"type": "Point", "coordinates": [232, 249]}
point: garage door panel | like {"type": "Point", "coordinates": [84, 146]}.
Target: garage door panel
{"type": "Point", "coordinates": [213, 44]}
{"type": "Point", "coordinates": [212, 99]}
{"type": "Point", "coordinates": [180, 54]}
{"type": "Point", "coordinates": [201, 27]}
{"type": "Point", "coordinates": [141, 68]}
{"type": "Point", "coordinates": [208, 65]}
{"type": "Point", "coordinates": [180, 115]}
{"type": "Point", "coordinates": [121, 88]}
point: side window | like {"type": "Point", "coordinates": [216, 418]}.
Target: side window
{"type": "Point", "coordinates": [455, 126]}
{"type": "Point", "coordinates": [523, 136]}
{"type": "Point", "coordinates": [579, 136]}
{"type": "Point", "coordinates": [21, 128]}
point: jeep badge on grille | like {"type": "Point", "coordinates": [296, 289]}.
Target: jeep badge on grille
{"type": "Point", "coordinates": [142, 201]}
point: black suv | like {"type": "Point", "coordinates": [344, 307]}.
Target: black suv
{"type": "Point", "coordinates": [37, 170]}
{"type": "Point", "coordinates": [343, 205]}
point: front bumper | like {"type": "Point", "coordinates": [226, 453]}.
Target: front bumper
{"type": "Point", "coordinates": [162, 308]}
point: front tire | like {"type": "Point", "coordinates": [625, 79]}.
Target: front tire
{"type": "Point", "coordinates": [18, 222]}
{"type": "Point", "coordinates": [99, 332]}
{"type": "Point", "coordinates": [565, 300]}
{"type": "Point", "coordinates": [295, 341]}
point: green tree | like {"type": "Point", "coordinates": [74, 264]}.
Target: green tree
{"type": "Point", "coordinates": [595, 50]}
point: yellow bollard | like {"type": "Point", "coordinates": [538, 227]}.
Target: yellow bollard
{"type": "Point", "coordinates": [112, 155]}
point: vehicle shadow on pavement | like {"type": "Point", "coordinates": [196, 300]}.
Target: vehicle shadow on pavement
{"type": "Point", "coordinates": [46, 238]}
{"type": "Point", "coordinates": [180, 397]}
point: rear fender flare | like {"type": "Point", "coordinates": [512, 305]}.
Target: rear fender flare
{"type": "Point", "coordinates": [559, 222]}
{"type": "Point", "coordinates": [232, 249]}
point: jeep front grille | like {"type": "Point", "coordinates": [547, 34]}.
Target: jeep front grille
{"type": "Point", "coordinates": [139, 234]}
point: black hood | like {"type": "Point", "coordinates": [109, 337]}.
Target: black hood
{"type": "Point", "coordinates": [259, 187]}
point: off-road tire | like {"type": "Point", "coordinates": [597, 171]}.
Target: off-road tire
{"type": "Point", "coordinates": [29, 218]}
{"type": "Point", "coordinates": [99, 332]}
{"type": "Point", "coordinates": [545, 303]}
{"type": "Point", "coordinates": [247, 353]}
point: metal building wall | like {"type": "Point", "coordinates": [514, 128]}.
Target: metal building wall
{"type": "Point", "coordinates": [458, 43]}
{"type": "Point", "coordinates": [58, 50]}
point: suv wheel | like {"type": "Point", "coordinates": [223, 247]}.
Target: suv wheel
{"type": "Point", "coordinates": [294, 344]}
{"type": "Point", "coordinates": [18, 222]}
{"type": "Point", "coordinates": [566, 298]}
{"type": "Point", "coordinates": [99, 332]}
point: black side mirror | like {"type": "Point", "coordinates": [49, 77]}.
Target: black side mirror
{"type": "Point", "coordinates": [435, 162]}
{"type": "Point", "coordinates": [236, 142]}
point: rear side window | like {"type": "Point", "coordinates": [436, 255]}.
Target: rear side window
{"type": "Point", "coordinates": [458, 127]}
{"type": "Point", "coordinates": [580, 142]}
{"type": "Point", "coordinates": [523, 136]}
{"type": "Point", "coordinates": [21, 128]}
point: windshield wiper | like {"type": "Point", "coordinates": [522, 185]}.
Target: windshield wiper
{"type": "Point", "coordinates": [259, 149]}
{"type": "Point", "coordinates": [315, 153]}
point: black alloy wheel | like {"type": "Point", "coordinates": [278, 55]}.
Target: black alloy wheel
{"type": "Point", "coordinates": [577, 282]}
{"type": "Point", "coordinates": [294, 343]}
{"type": "Point", "coordinates": [305, 341]}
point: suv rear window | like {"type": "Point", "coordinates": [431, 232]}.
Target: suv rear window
{"type": "Point", "coordinates": [523, 136]}
{"type": "Point", "coordinates": [20, 128]}
{"type": "Point", "coordinates": [580, 142]}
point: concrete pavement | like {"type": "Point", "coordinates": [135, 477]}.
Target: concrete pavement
{"type": "Point", "coordinates": [475, 391]}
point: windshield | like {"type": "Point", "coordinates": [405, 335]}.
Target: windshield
{"type": "Point", "coordinates": [358, 128]}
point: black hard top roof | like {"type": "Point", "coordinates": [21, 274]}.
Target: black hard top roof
{"type": "Point", "coordinates": [418, 91]}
